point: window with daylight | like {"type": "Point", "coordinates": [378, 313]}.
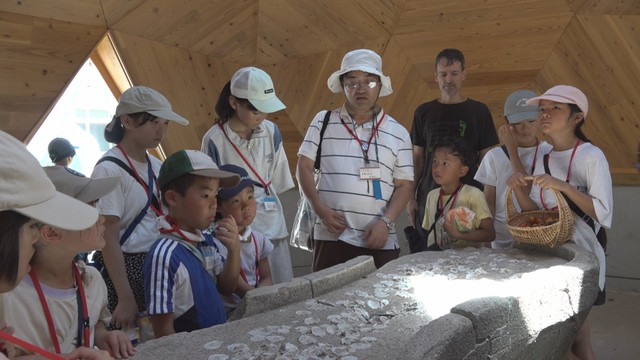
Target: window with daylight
{"type": "Point", "coordinates": [82, 111]}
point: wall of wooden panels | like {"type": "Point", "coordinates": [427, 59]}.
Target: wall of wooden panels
{"type": "Point", "coordinates": [189, 50]}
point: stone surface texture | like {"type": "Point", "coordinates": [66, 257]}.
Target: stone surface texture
{"type": "Point", "coordinates": [524, 303]}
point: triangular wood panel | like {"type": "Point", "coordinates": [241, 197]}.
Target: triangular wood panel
{"type": "Point", "coordinates": [189, 49]}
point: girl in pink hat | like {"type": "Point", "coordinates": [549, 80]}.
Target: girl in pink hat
{"type": "Point", "coordinates": [580, 171]}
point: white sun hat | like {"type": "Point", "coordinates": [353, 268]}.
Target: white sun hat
{"type": "Point", "coordinates": [360, 60]}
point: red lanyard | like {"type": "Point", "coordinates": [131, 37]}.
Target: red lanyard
{"type": "Point", "coordinates": [364, 146]}
{"type": "Point", "coordinates": [573, 154]}
{"type": "Point", "coordinates": [264, 183]}
{"type": "Point", "coordinates": [175, 228]}
{"type": "Point", "coordinates": [244, 276]}
{"type": "Point", "coordinates": [452, 199]}
{"type": "Point", "coordinates": [84, 328]}
{"type": "Point", "coordinates": [152, 177]}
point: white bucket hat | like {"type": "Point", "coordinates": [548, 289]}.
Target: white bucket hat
{"type": "Point", "coordinates": [256, 86]}
{"type": "Point", "coordinates": [143, 99]}
{"type": "Point", "coordinates": [363, 60]}
{"type": "Point", "coordinates": [26, 189]}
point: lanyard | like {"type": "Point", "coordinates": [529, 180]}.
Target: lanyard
{"type": "Point", "coordinates": [84, 329]}
{"type": "Point", "coordinates": [364, 146]}
{"type": "Point", "coordinates": [546, 160]}
{"type": "Point", "coordinates": [183, 239]}
{"type": "Point", "coordinates": [264, 183]}
{"type": "Point", "coordinates": [152, 180]}
{"type": "Point", "coordinates": [244, 276]}
{"type": "Point", "coordinates": [452, 200]}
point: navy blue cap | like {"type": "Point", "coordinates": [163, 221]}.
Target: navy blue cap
{"type": "Point", "coordinates": [245, 181]}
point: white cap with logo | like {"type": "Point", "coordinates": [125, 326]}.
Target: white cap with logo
{"type": "Point", "coordinates": [256, 86]}
{"type": "Point", "coordinates": [26, 189]}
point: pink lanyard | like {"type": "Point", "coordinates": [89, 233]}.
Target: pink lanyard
{"type": "Point", "coordinates": [244, 276]}
{"type": "Point", "coordinates": [144, 185]}
{"type": "Point", "coordinates": [365, 146]}
{"type": "Point", "coordinates": [264, 183]}
{"type": "Point", "coordinates": [573, 153]}
{"type": "Point", "coordinates": [83, 318]}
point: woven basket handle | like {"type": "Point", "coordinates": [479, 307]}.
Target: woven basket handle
{"type": "Point", "coordinates": [564, 212]}
{"type": "Point", "coordinates": [510, 207]}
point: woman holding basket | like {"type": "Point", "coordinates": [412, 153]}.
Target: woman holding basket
{"type": "Point", "coordinates": [580, 172]}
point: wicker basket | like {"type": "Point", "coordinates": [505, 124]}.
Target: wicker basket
{"type": "Point", "coordinates": [549, 235]}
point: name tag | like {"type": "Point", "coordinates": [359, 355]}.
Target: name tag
{"type": "Point", "coordinates": [270, 203]}
{"type": "Point", "coordinates": [370, 173]}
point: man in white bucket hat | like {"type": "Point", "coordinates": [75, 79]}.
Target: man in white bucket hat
{"type": "Point", "coordinates": [451, 115]}
{"type": "Point", "coordinates": [366, 166]}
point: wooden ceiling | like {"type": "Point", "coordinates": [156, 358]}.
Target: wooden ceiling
{"type": "Point", "coordinates": [188, 50]}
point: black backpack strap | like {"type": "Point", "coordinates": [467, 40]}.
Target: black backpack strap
{"type": "Point", "coordinates": [325, 122]}
{"type": "Point", "coordinates": [504, 148]}
{"type": "Point", "coordinates": [155, 202]}
{"type": "Point", "coordinates": [575, 208]}
{"type": "Point", "coordinates": [150, 199]}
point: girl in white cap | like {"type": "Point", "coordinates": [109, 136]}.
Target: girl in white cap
{"type": "Point", "coordinates": [580, 171]}
{"type": "Point", "coordinates": [243, 136]}
{"type": "Point", "coordinates": [62, 305]}
{"type": "Point", "coordinates": [29, 207]}
{"type": "Point", "coordinates": [140, 123]}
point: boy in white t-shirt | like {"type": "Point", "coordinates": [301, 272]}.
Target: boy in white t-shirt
{"type": "Point", "coordinates": [239, 202]}
{"type": "Point", "coordinates": [519, 153]}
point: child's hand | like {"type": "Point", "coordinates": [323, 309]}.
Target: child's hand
{"type": "Point", "coordinates": [118, 345]}
{"type": "Point", "coordinates": [7, 348]}
{"type": "Point", "coordinates": [450, 227]}
{"type": "Point", "coordinates": [517, 180]}
{"type": "Point", "coordinates": [85, 353]}
{"type": "Point", "coordinates": [507, 136]}
{"type": "Point", "coordinates": [227, 233]}
{"type": "Point", "coordinates": [549, 182]}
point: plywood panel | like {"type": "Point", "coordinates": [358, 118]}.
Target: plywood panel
{"type": "Point", "coordinates": [599, 56]}
{"type": "Point", "coordinates": [290, 28]}
{"type": "Point", "coordinates": [225, 29]}
{"type": "Point", "coordinates": [38, 57]}
{"type": "Point", "coordinates": [86, 12]}
{"type": "Point", "coordinates": [184, 77]}
{"type": "Point", "coordinates": [605, 7]}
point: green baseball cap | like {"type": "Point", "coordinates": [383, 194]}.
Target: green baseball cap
{"type": "Point", "coordinates": [196, 163]}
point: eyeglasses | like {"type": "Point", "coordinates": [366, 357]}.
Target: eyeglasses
{"type": "Point", "coordinates": [355, 85]}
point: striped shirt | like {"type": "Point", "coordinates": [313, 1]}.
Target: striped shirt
{"type": "Point", "coordinates": [177, 281]}
{"type": "Point", "coordinates": [340, 186]}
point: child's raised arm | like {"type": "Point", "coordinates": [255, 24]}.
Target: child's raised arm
{"type": "Point", "coordinates": [227, 233]}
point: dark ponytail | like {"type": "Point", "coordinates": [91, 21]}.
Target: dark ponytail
{"type": "Point", "coordinates": [578, 130]}
{"type": "Point", "coordinates": [224, 111]}
{"type": "Point", "coordinates": [114, 131]}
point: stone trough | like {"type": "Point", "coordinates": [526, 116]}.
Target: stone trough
{"type": "Point", "coordinates": [524, 303]}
